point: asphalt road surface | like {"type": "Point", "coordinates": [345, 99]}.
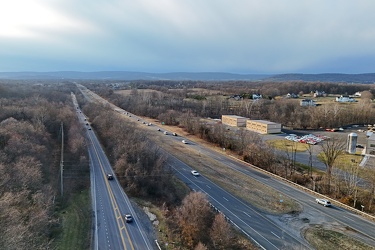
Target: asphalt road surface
{"type": "Point", "coordinates": [110, 203]}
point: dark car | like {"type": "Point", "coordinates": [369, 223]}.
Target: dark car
{"type": "Point", "coordinates": [109, 176]}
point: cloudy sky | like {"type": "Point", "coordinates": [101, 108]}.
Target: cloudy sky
{"type": "Point", "coordinates": [238, 36]}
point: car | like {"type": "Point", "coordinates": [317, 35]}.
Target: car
{"type": "Point", "coordinates": [323, 202]}
{"type": "Point", "coordinates": [184, 142]}
{"type": "Point", "coordinates": [359, 146]}
{"type": "Point", "coordinates": [195, 173]}
{"type": "Point", "coordinates": [128, 218]}
{"type": "Point", "coordinates": [158, 129]}
{"type": "Point", "coordinates": [109, 176]}
{"type": "Point", "coordinates": [165, 132]}
{"type": "Point", "coordinates": [175, 134]}
{"type": "Point", "coordinates": [89, 128]}
{"type": "Point", "coordinates": [137, 119]}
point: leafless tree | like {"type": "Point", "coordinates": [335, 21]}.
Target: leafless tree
{"type": "Point", "coordinates": [331, 150]}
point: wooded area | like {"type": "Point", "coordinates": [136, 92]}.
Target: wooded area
{"type": "Point", "coordinates": [31, 114]}
{"type": "Point", "coordinates": [30, 120]}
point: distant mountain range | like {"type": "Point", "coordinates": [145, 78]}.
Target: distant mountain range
{"type": "Point", "coordinates": [204, 76]}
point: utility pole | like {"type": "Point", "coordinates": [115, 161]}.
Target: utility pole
{"type": "Point", "coordinates": [62, 162]}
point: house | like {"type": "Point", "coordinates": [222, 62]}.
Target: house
{"type": "Point", "coordinates": [318, 93]}
{"type": "Point", "coordinates": [236, 97]}
{"type": "Point", "coordinates": [257, 96]}
{"type": "Point", "coordinates": [307, 102]}
{"type": "Point", "coordinates": [292, 95]}
{"type": "Point", "coordinates": [357, 94]}
{"type": "Point", "coordinates": [345, 98]}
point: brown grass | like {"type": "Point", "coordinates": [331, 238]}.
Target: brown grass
{"type": "Point", "coordinates": [321, 238]}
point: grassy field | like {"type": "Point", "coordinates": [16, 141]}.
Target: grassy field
{"type": "Point", "coordinates": [321, 238]}
{"type": "Point", "coordinates": [286, 145]}
{"type": "Point", "coordinates": [75, 223]}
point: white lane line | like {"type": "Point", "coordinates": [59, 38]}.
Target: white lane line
{"type": "Point", "coordinates": [208, 186]}
{"type": "Point", "coordinates": [347, 218]}
{"type": "Point", "coordinates": [225, 199]}
{"type": "Point", "coordinates": [246, 214]}
{"type": "Point", "coordinates": [275, 234]}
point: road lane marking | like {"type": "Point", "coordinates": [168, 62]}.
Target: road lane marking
{"type": "Point", "coordinates": [347, 218]}
{"type": "Point", "coordinates": [275, 234]}
{"type": "Point", "coordinates": [246, 214]}
{"type": "Point", "coordinates": [208, 186]}
{"type": "Point", "coordinates": [115, 207]}
{"type": "Point", "coordinates": [225, 198]}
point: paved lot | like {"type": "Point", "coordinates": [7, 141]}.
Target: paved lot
{"type": "Point", "coordinates": [303, 157]}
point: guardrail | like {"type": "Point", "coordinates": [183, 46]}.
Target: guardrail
{"type": "Point", "coordinates": [307, 189]}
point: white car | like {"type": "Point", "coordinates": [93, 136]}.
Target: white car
{"type": "Point", "coordinates": [195, 173]}
{"type": "Point", "coordinates": [128, 218]}
{"type": "Point", "coordinates": [165, 132]}
{"type": "Point", "coordinates": [184, 142]}
{"type": "Point", "coordinates": [323, 202]}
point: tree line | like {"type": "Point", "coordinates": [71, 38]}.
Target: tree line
{"type": "Point", "coordinates": [30, 119]}
{"type": "Point", "coordinates": [173, 108]}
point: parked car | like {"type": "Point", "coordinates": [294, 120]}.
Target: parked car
{"type": "Point", "coordinates": [323, 202]}
{"type": "Point", "coordinates": [195, 173]}
{"type": "Point", "coordinates": [128, 218]}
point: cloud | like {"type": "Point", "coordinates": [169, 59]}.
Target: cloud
{"type": "Point", "coordinates": [187, 35]}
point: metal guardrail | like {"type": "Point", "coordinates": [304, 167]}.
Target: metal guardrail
{"type": "Point", "coordinates": [369, 216]}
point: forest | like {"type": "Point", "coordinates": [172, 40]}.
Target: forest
{"type": "Point", "coordinates": [33, 113]}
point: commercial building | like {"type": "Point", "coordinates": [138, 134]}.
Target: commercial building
{"type": "Point", "coordinates": [233, 120]}
{"type": "Point", "coordinates": [263, 127]}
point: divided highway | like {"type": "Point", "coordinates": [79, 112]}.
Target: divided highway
{"type": "Point", "coordinates": [257, 225]}
{"type": "Point", "coordinates": [110, 204]}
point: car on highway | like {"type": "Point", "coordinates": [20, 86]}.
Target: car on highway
{"type": "Point", "coordinates": [175, 134]}
{"type": "Point", "coordinates": [323, 202]}
{"type": "Point", "coordinates": [184, 142]}
{"type": "Point", "coordinates": [128, 218]}
{"type": "Point", "coordinates": [165, 132]}
{"type": "Point", "coordinates": [109, 176]}
{"type": "Point", "coordinates": [158, 129]}
{"type": "Point", "coordinates": [195, 173]}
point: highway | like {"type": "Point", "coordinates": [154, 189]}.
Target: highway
{"type": "Point", "coordinates": [110, 203]}
{"type": "Point", "coordinates": [257, 225]}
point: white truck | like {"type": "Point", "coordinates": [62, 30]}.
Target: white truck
{"type": "Point", "coordinates": [323, 202]}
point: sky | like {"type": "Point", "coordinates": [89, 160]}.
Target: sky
{"type": "Point", "coordinates": [161, 36]}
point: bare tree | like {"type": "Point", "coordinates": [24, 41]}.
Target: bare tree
{"type": "Point", "coordinates": [331, 150]}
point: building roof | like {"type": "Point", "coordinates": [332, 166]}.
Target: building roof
{"type": "Point", "coordinates": [235, 116]}
{"type": "Point", "coordinates": [264, 122]}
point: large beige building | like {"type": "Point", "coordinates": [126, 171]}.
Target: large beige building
{"type": "Point", "coordinates": [263, 127]}
{"type": "Point", "coordinates": [234, 120]}
{"type": "Point", "coordinates": [370, 147]}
